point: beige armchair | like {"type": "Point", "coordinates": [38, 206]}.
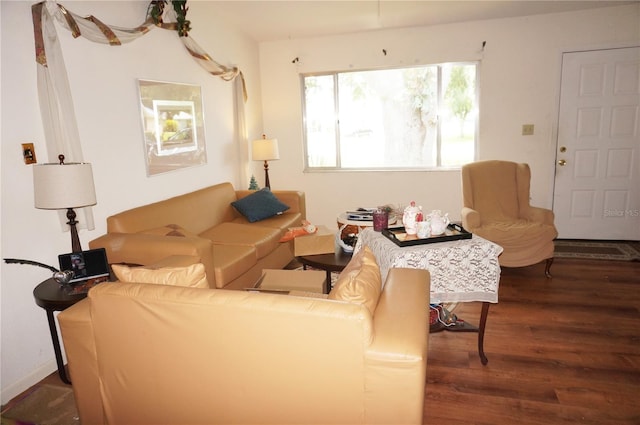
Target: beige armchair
{"type": "Point", "coordinates": [496, 207]}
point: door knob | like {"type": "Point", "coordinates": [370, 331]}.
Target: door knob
{"type": "Point", "coordinates": [562, 162]}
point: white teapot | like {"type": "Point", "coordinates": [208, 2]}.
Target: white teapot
{"type": "Point", "coordinates": [438, 221]}
{"type": "Point", "coordinates": [409, 218]}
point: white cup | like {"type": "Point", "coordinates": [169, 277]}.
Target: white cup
{"type": "Point", "coordinates": [424, 229]}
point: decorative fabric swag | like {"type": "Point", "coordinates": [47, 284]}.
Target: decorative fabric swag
{"type": "Point", "coordinates": [56, 103]}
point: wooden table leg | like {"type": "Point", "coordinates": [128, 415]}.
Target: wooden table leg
{"type": "Point", "coordinates": [462, 326]}
{"type": "Point", "coordinates": [56, 348]}
{"type": "Point", "coordinates": [327, 284]}
{"type": "Point", "coordinates": [483, 322]}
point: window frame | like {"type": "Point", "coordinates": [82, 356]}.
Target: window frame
{"type": "Point", "coordinates": [440, 98]}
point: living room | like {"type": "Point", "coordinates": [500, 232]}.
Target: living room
{"type": "Point", "coordinates": [520, 83]}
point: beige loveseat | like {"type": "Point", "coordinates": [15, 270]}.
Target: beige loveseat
{"type": "Point", "coordinates": [203, 226]}
{"type": "Point", "coordinates": [155, 354]}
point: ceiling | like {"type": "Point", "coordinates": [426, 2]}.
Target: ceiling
{"type": "Point", "coordinates": [264, 20]}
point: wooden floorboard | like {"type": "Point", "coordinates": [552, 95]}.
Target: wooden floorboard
{"type": "Point", "coordinates": [561, 351]}
{"type": "Point", "coordinates": [564, 350]}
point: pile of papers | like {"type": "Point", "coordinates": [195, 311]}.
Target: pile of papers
{"type": "Point", "coordinates": [361, 214]}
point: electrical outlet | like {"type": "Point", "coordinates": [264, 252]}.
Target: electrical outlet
{"type": "Point", "coordinates": [29, 153]}
{"type": "Point", "coordinates": [527, 129]}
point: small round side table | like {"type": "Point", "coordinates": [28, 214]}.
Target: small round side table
{"type": "Point", "coordinates": [51, 296]}
{"type": "Point", "coordinates": [354, 226]}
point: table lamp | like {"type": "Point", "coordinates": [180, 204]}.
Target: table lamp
{"type": "Point", "coordinates": [265, 150]}
{"type": "Point", "coordinates": [64, 186]}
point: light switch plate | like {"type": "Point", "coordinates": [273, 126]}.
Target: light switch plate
{"type": "Point", "coordinates": [29, 153]}
{"type": "Point", "coordinates": [527, 129]}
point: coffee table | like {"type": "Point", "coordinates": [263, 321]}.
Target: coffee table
{"type": "Point", "coordinates": [461, 271]}
{"type": "Point", "coordinates": [335, 262]}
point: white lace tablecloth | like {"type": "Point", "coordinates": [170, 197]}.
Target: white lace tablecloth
{"type": "Point", "coordinates": [461, 271]}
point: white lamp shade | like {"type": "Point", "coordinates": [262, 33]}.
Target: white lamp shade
{"type": "Point", "coordinates": [265, 150]}
{"type": "Point", "coordinates": [59, 186]}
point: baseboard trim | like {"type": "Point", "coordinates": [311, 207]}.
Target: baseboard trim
{"type": "Point", "coordinates": [11, 391]}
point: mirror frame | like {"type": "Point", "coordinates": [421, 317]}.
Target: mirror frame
{"type": "Point", "coordinates": [172, 125]}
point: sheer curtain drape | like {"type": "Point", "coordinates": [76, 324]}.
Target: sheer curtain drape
{"type": "Point", "coordinates": [56, 103]}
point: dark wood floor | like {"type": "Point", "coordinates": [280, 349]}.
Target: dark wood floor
{"type": "Point", "coordinates": [561, 351]}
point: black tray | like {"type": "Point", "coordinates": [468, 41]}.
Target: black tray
{"type": "Point", "coordinates": [454, 232]}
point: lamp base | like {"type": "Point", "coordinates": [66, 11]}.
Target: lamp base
{"type": "Point", "coordinates": [266, 175]}
{"type": "Point", "coordinates": [75, 240]}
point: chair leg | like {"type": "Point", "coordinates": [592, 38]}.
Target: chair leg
{"type": "Point", "coordinates": [547, 267]}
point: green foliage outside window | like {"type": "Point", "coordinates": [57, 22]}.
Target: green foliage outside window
{"type": "Point", "coordinates": [409, 118]}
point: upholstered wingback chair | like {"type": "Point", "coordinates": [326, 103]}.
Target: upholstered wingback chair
{"type": "Point", "coordinates": [496, 207]}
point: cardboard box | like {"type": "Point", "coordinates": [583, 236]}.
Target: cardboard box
{"type": "Point", "coordinates": [293, 280]}
{"type": "Point", "coordinates": [321, 242]}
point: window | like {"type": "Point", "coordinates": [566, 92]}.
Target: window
{"type": "Point", "coordinates": [410, 118]}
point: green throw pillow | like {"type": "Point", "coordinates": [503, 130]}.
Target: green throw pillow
{"type": "Point", "coordinates": [259, 205]}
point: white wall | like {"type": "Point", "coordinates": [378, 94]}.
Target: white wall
{"type": "Point", "coordinates": [519, 84]}
{"type": "Point", "coordinates": [104, 86]}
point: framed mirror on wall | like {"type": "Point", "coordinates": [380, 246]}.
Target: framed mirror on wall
{"type": "Point", "coordinates": [172, 125]}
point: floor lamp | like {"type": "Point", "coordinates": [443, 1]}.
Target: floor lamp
{"type": "Point", "coordinates": [64, 186]}
{"type": "Point", "coordinates": [265, 150]}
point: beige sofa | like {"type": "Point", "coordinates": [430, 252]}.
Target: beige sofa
{"type": "Point", "coordinates": [204, 226]}
{"type": "Point", "coordinates": [151, 354]}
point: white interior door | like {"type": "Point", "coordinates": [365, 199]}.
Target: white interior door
{"type": "Point", "coordinates": [597, 182]}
